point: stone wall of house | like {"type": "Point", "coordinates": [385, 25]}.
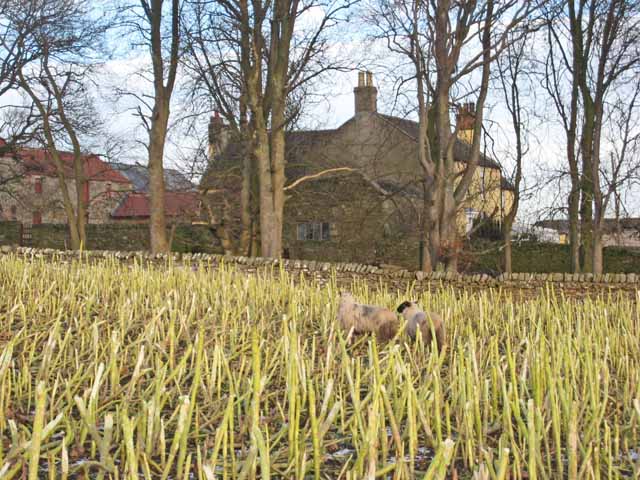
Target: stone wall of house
{"type": "Point", "coordinates": [125, 237]}
{"type": "Point", "coordinates": [20, 200]}
{"type": "Point", "coordinates": [364, 227]}
{"type": "Point", "coordinates": [522, 285]}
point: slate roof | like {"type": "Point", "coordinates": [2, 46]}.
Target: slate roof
{"type": "Point", "coordinates": [461, 149]}
{"type": "Point", "coordinates": [138, 175]}
{"type": "Point", "coordinates": [299, 142]}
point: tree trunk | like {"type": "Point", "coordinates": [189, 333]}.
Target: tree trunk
{"type": "Point", "coordinates": [507, 225]}
{"type": "Point", "coordinates": [272, 245]}
{"type": "Point", "coordinates": [248, 169]}
{"type": "Point", "coordinates": [574, 195]}
{"type": "Point", "coordinates": [163, 69]}
{"type": "Point", "coordinates": [598, 250]}
{"type": "Point", "coordinates": [245, 205]}
{"type": "Point", "coordinates": [268, 223]}
{"type": "Point", "coordinates": [507, 266]}
{"type": "Point", "coordinates": [587, 188]}
{"type": "Point", "coordinates": [70, 211]}
{"type": "Point", "coordinates": [574, 227]}
{"type": "Point", "coordinates": [157, 221]}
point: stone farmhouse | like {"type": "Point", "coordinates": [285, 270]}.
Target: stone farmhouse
{"type": "Point", "coordinates": [372, 213]}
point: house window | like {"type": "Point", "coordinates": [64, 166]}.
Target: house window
{"type": "Point", "coordinates": [38, 185]}
{"type": "Point", "coordinates": [109, 192]}
{"type": "Point", "coordinates": [314, 231]}
{"type": "Point", "coordinates": [37, 218]}
{"type": "Point", "coordinates": [471, 215]}
{"type": "Point", "coordinates": [14, 212]}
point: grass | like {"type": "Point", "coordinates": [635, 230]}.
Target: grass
{"type": "Point", "coordinates": [124, 371]}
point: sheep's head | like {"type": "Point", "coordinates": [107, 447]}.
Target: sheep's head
{"type": "Point", "coordinates": [406, 304]}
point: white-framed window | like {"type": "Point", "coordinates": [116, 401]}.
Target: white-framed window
{"type": "Point", "coordinates": [471, 215]}
{"type": "Point", "coordinates": [314, 231]}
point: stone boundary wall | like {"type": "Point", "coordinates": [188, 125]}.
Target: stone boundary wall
{"type": "Point", "coordinates": [10, 233]}
{"type": "Point", "coordinates": [112, 236]}
{"type": "Point", "coordinates": [573, 284]}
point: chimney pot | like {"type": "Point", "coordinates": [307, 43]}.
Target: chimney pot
{"type": "Point", "coordinates": [466, 121]}
{"type": "Point", "coordinates": [218, 135]}
{"type": "Point", "coordinates": [366, 95]}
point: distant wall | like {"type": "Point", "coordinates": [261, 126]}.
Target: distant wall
{"type": "Point", "coordinates": [124, 237]}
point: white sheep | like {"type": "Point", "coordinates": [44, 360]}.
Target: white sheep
{"type": "Point", "coordinates": [421, 321]}
{"type": "Point", "coordinates": [366, 318]}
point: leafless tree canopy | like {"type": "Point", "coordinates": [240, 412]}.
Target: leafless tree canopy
{"type": "Point", "coordinates": [260, 64]}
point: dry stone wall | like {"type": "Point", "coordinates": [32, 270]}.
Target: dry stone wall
{"type": "Point", "coordinates": [523, 284]}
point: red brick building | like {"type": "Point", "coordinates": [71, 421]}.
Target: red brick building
{"type": "Point", "coordinates": [30, 190]}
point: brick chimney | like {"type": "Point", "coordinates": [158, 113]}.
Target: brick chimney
{"type": "Point", "coordinates": [465, 119]}
{"type": "Point", "coordinates": [366, 95]}
{"type": "Point", "coordinates": [218, 135]}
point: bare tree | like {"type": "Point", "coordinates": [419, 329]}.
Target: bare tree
{"type": "Point", "coordinates": [561, 85]}
{"type": "Point", "coordinates": [21, 22]}
{"type": "Point", "coordinates": [446, 43]}
{"type": "Point", "coordinates": [214, 57]}
{"type": "Point", "coordinates": [622, 170]}
{"type": "Point", "coordinates": [19, 19]}
{"type": "Point", "coordinates": [597, 41]}
{"type": "Point", "coordinates": [514, 78]}
{"type": "Point", "coordinates": [156, 24]}
{"type": "Point", "coordinates": [61, 39]}
{"type": "Point", "coordinates": [254, 59]}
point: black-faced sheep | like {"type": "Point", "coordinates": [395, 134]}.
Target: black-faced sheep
{"type": "Point", "coordinates": [366, 318]}
{"type": "Point", "coordinates": [422, 322]}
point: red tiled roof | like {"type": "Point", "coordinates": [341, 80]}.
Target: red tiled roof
{"type": "Point", "coordinates": [38, 161]}
{"type": "Point", "coordinates": [136, 205]}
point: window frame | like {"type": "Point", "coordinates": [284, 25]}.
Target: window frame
{"type": "Point", "coordinates": [313, 232]}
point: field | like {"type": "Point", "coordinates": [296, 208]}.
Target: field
{"type": "Point", "coordinates": [129, 371]}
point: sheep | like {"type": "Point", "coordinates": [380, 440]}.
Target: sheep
{"type": "Point", "coordinates": [366, 318]}
{"type": "Point", "coordinates": [418, 319]}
